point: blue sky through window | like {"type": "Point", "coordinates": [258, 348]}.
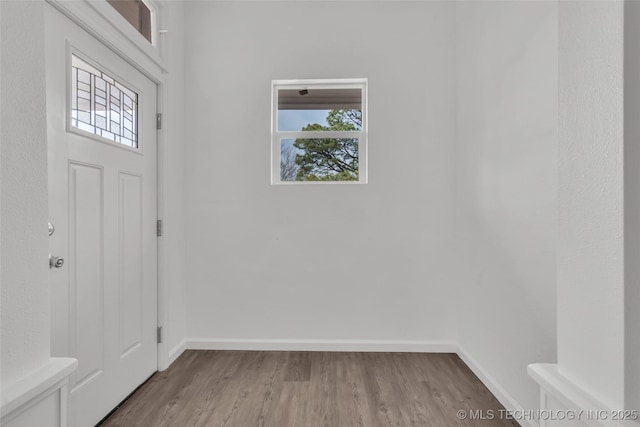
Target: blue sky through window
{"type": "Point", "coordinates": [295, 120]}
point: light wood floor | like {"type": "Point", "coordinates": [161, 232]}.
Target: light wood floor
{"type": "Point", "coordinates": [292, 389]}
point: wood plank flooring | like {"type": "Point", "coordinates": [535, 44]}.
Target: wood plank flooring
{"type": "Point", "coordinates": [300, 389]}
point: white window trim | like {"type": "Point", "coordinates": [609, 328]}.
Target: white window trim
{"type": "Point", "coordinates": [277, 136]}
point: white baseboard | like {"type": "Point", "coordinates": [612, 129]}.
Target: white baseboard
{"type": "Point", "coordinates": [322, 345]}
{"type": "Point", "coordinates": [176, 351]}
{"type": "Point", "coordinates": [494, 387]}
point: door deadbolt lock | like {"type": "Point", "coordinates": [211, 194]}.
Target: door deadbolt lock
{"type": "Point", "coordinates": [55, 261]}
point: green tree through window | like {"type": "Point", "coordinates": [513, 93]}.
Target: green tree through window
{"type": "Point", "coordinates": [328, 159]}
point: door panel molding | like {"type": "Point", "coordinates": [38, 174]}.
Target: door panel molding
{"type": "Point", "coordinates": [86, 268]}
{"type": "Point", "coordinates": [131, 253]}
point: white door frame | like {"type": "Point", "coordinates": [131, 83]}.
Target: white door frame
{"type": "Point", "coordinates": [104, 23]}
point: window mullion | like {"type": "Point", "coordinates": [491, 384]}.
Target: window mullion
{"type": "Point", "coordinates": [320, 134]}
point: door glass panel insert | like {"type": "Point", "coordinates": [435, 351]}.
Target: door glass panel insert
{"type": "Point", "coordinates": [101, 105]}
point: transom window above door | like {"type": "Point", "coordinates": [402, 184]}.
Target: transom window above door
{"type": "Point", "coordinates": [101, 105]}
{"type": "Point", "coordinates": [137, 13]}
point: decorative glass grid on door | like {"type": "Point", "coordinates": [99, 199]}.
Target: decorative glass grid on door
{"type": "Point", "coordinates": [101, 105]}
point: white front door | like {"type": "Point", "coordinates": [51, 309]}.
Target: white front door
{"type": "Point", "coordinates": [102, 202]}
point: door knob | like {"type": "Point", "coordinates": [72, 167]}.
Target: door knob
{"type": "Point", "coordinates": [52, 229]}
{"type": "Point", "coordinates": [55, 261]}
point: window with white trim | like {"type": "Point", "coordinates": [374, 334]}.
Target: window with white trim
{"type": "Point", "coordinates": [319, 131]}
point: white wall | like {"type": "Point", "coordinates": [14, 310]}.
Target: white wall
{"type": "Point", "coordinates": [172, 245]}
{"type": "Point", "coordinates": [590, 194]}
{"type": "Point", "coordinates": [368, 262]}
{"type": "Point", "coordinates": [25, 291]}
{"type": "Point", "coordinates": [632, 201]}
{"type": "Point", "coordinates": [506, 190]}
